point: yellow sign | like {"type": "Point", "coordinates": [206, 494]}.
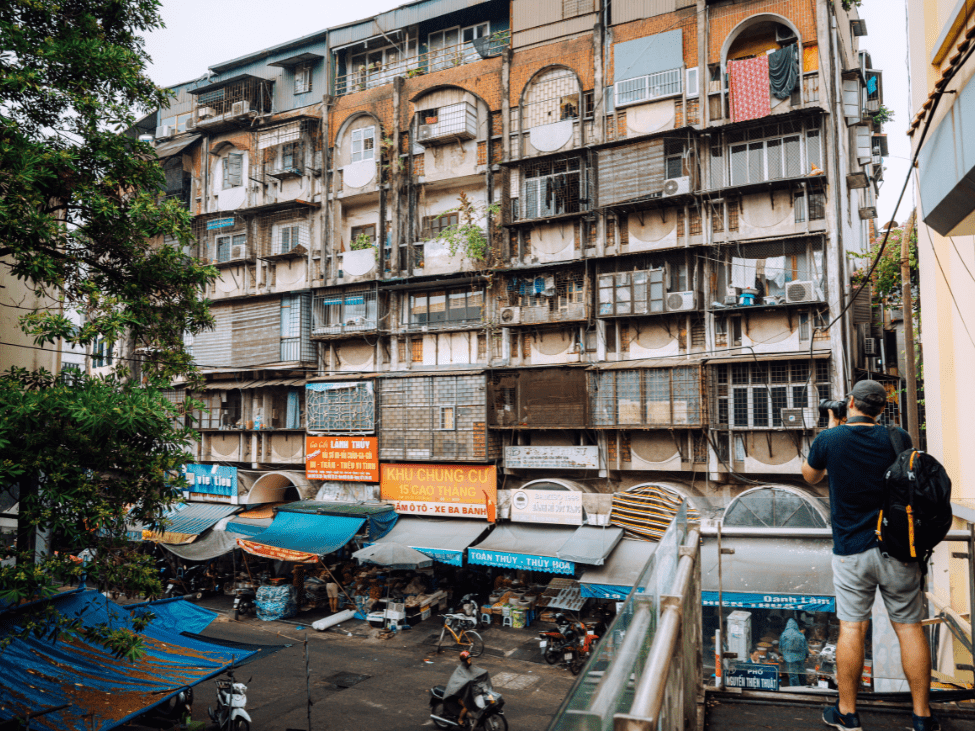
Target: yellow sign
{"type": "Point", "coordinates": [448, 491]}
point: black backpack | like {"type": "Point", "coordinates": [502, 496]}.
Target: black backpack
{"type": "Point", "coordinates": [916, 514]}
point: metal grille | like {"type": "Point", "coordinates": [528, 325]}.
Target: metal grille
{"type": "Point", "coordinates": [652, 397]}
{"type": "Point", "coordinates": [288, 149]}
{"type": "Point", "coordinates": [295, 321]}
{"type": "Point", "coordinates": [241, 97]}
{"type": "Point", "coordinates": [769, 152]}
{"type": "Point", "coordinates": [752, 395]}
{"type": "Point", "coordinates": [337, 311]}
{"type": "Point", "coordinates": [282, 233]}
{"type": "Point", "coordinates": [652, 86]}
{"type": "Point", "coordinates": [551, 188]}
{"type": "Point", "coordinates": [553, 97]}
{"type": "Point", "coordinates": [769, 267]}
{"type": "Point", "coordinates": [460, 307]}
{"type": "Point", "coordinates": [341, 407]}
{"type": "Point", "coordinates": [557, 297]}
{"type": "Point", "coordinates": [222, 239]}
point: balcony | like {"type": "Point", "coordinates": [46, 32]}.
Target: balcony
{"type": "Point", "coordinates": [451, 123]}
{"type": "Point", "coordinates": [548, 298]}
{"type": "Point", "coordinates": [653, 291]}
{"type": "Point", "coordinates": [380, 72]}
{"type": "Point", "coordinates": [229, 103]}
{"type": "Point", "coordinates": [338, 313]}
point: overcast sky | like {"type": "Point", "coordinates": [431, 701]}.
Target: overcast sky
{"type": "Point", "coordinates": [200, 33]}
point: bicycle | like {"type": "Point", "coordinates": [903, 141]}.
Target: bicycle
{"type": "Point", "coordinates": [466, 638]}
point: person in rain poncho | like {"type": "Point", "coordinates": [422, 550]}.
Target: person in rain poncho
{"type": "Point", "coordinates": [462, 687]}
{"type": "Point", "coordinates": [792, 645]}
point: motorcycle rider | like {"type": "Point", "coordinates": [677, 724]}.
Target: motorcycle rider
{"type": "Point", "coordinates": [459, 686]}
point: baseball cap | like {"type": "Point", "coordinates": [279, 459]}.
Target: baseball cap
{"type": "Point", "coordinates": [869, 392]}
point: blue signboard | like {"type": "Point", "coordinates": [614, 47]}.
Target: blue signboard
{"type": "Point", "coordinates": [220, 223]}
{"type": "Point", "coordinates": [520, 561]}
{"type": "Point", "coordinates": [443, 555]}
{"type": "Point", "coordinates": [211, 479]}
{"type": "Point", "coordinates": [804, 602]}
{"type": "Point", "coordinates": [753, 676]}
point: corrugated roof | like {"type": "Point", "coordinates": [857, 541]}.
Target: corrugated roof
{"type": "Point", "coordinates": [324, 507]}
{"type": "Point", "coordinates": [198, 517]}
{"type": "Point", "coordinates": [623, 365]}
{"type": "Point", "coordinates": [220, 83]}
{"type": "Point", "coordinates": [590, 544]}
{"type": "Point", "coordinates": [395, 19]}
{"type": "Point", "coordinates": [168, 149]}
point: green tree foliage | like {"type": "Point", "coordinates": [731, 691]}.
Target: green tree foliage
{"type": "Point", "coordinates": [886, 278]}
{"type": "Point", "coordinates": [82, 223]}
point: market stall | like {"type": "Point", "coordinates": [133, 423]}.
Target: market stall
{"type": "Point", "coordinates": [615, 579]}
{"type": "Point", "coordinates": [442, 539]}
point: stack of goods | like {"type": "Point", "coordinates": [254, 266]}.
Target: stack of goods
{"type": "Point", "coordinates": [315, 594]}
{"type": "Point", "coordinates": [275, 602]}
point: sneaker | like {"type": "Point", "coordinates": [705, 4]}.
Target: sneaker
{"type": "Point", "coordinates": [833, 717]}
{"type": "Point", "coordinates": [927, 723]}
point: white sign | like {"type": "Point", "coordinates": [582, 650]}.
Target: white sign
{"type": "Point", "coordinates": [547, 506]}
{"type": "Point", "coordinates": [571, 458]}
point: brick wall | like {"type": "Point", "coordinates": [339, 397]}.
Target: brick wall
{"type": "Point", "coordinates": [481, 78]}
{"type": "Point", "coordinates": [575, 54]}
{"type": "Point", "coordinates": [685, 19]}
{"type": "Point", "coordinates": [724, 18]}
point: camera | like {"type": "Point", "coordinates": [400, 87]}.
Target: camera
{"type": "Point", "coordinates": [838, 407]}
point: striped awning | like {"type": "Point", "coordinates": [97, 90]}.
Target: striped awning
{"type": "Point", "coordinates": [647, 511]}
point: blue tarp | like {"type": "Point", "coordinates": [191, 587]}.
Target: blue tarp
{"type": "Point", "coordinates": [606, 591]}
{"type": "Point", "coordinates": [101, 691]}
{"type": "Point", "coordinates": [248, 526]}
{"type": "Point", "coordinates": [177, 615]}
{"type": "Point", "coordinates": [313, 534]}
{"type": "Point", "coordinates": [381, 524]}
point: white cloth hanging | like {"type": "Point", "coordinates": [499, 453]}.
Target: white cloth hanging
{"type": "Point", "coordinates": [743, 272]}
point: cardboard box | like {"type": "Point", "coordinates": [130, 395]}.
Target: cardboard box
{"type": "Point", "coordinates": [391, 614]}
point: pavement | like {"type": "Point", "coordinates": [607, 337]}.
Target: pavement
{"type": "Point", "coordinates": [358, 681]}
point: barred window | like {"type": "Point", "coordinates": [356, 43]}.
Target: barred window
{"type": "Point", "coordinates": [753, 395]}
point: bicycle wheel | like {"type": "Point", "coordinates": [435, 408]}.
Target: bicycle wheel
{"type": "Point", "coordinates": [473, 641]}
{"type": "Point", "coordinates": [497, 722]}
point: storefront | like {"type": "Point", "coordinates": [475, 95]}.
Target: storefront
{"type": "Point", "coordinates": [615, 579]}
{"type": "Point", "coordinates": [442, 539]}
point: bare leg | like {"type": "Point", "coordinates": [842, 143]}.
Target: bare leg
{"type": "Point", "coordinates": [849, 663]}
{"type": "Point", "coordinates": [916, 660]}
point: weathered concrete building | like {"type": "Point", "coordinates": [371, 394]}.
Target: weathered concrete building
{"type": "Point", "coordinates": [612, 234]}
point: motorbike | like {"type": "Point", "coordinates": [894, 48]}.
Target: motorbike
{"type": "Point", "coordinates": [244, 600]}
{"type": "Point", "coordinates": [570, 643]}
{"type": "Point", "coordinates": [231, 701]}
{"type": "Point", "coordinates": [472, 687]}
{"type": "Point", "coordinates": [469, 608]}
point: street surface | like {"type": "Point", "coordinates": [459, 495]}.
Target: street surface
{"type": "Point", "coordinates": [399, 673]}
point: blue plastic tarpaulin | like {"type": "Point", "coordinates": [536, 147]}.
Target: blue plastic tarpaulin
{"type": "Point", "coordinates": [100, 690]}
{"type": "Point", "coordinates": [177, 615]}
{"type": "Point", "coordinates": [302, 537]}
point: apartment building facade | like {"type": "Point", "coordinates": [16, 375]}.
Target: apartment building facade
{"type": "Point", "coordinates": [595, 246]}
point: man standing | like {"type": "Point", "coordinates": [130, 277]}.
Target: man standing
{"type": "Point", "coordinates": [795, 650]}
{"type": "Point", "coordinates": [856, 453]}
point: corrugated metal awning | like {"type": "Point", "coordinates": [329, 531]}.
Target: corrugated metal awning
{"type": "Point", "coordinates": [220, 83]}
{"type": "Point", "coordinates": [623, 365]}
{"type": "Point", "coordinates": [590, 544]}
{"type": "Point", "coordinates": [168, 149]}
{"type": "Point", "coordinates": [249, 385]}
{"type": "Point", "coordinates": [524, 546]}
{"type": "Point", "coordinates": [296, 59]}
{"type": "Point", "coordinates": [185, 525]}
{"type": "Point", "coordinates": [442, 539]}
{"type": "Point", "coordinates": [766, 357]}
{"type": "Point", "coordinates": [618, 575]}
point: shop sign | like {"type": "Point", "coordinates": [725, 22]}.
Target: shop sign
{"type": "Point", "coordinates": [454, 491]}
{"type": "Point", "coordinates": [214, 483]}
{"type": "Point", "coordinates": [752, 676]}
{"type": "Point", "coordinates": [565, 458]}
{"type": "Point", "coordinates": [220, 223]}
{"type": "Point", "coordinates": [520, 561]}
{"type": "Point", "coordinates": [547, 506]}
{"type": "Point", "coordinates": [801, 602]}
{"type": "Point", "coordinates": [349, 459]}
{"type": "Point", "coordinates": [443, 555]}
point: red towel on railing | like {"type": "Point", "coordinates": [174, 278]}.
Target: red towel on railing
{"type": "Point", "coordinates": [750, 88]}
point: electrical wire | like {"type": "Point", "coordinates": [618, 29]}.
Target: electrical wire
{"type": "Point", "coordinates": [950, 292]}
{"type": "Point", "coordinates": [960, 257]}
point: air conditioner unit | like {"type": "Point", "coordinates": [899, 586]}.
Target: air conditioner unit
{"type": "Point", "coordinates": [676, 186]}
{"type": "Point", "coordinates": [805, 418]}
{"type": "Point", "coordinates": [426, 132]}
{"type": "Point", "coordinates": [204, 112]}
{"type": "Point", "coordinates": [510, 315]}
{"type": "Point", "coordinates": [242, 107]}
{"type": "Point", "coordinates": [681, 301]}
{"type": "Point", "coordinates": [238, 251]}
{"type": "Point", "coordinates": [731, 300]}
{"type": "Point", "coordinates": [784, 34]}
{"type": "Point", "coordinates": [870, 346]}
{"type": "Point", "coordinates": [800, 292]}
{"type": "Point", "coordinates": [164, 131]}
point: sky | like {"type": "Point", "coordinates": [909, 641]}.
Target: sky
{"type": "Point", "coordinates": [200, 33]}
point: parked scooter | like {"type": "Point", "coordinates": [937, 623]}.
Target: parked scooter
{"type": "Point", "coordinates": [231, 700]}
{"type": "Point", "coordinates": [245, 600]}
{"type": "Point", "coordinates": [469, 608]}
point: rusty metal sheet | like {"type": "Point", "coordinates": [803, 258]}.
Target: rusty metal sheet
{"type": "Point", "coordinates": [631, 172]}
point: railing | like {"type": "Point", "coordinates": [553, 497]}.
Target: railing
{"type": "Point", "coordinates": [646, 673]}
{"type": "Point", "coordinates": [376, 74]}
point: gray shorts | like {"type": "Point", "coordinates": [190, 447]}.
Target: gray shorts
{"type": "Point", "coordinates": [856, 579]}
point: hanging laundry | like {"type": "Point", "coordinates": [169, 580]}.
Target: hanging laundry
{"type": "Point", "coordinates": [775, 270]}
{"type": "Point", "coordinates": [743, 272]}
{"type": "Point", "coordinates": [783, 71]}
{"type": "Point", "coordinates": [749, 84]}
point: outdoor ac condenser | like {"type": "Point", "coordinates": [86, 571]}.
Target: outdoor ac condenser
{"type": "Point", "coordinates": [681, 301]}
{"type": "Point", "coordinates": [510, 315]}
{"type": "Point", "coordinates": [800, 292]}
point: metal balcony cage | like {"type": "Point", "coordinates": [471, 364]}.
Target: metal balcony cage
{"type": "Point", "coordinates": [344, 407]}
{"type": "Point", "coordinates": [665, 397]}
{"type": "Point", "coordinates": [349, 310]}
{"type": "Point", "coordinates": [788, 271]}
{"type": "Point", "coordinates": [223, 239]}
{"type": "Point", "coordinates": [554, 187]}
{"type": "Point", "coordinates": [555, 297]}
{"type": "Point", "coordinates": [752, 395]}
{"type": "Point", "coordinates": [283, 233]}
{"type": "Point", "coordinates": [289, 150]}
{"type": "Point", "coordinates": [240, 98]}
{"type": "Point", "coordinates": [647, 285]}
{"type": "Point", "coordinates": [781, 150]}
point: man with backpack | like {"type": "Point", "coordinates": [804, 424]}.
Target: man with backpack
{"type": "Point", "coordinates": [856, 453]}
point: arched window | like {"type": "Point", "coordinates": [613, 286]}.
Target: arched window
{"type": "Point", "coordinates": [776, 507]}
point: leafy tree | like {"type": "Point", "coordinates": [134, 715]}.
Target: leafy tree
{"type": "Point", "coordinates": [82, 223]}
{"type": "Point", "coordinates": [886, 278]}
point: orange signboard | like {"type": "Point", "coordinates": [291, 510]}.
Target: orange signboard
{"type": "Point", "coordinates": [441, 490]}
{"type": "Point", "coordinates": [352, 459]}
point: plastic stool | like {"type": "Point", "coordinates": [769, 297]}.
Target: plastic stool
{"type": "Point", "coordinates": [506, 621]}
{"type": "Point", "coordinates": [486, 618]}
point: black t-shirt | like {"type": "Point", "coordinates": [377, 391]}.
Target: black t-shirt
{"type": "Point", "coordinates": [856, 458]}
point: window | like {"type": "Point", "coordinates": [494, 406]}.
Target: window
{"type": "Point", "coordinates": [433, 226]}
{"type": "Point", "coordinates": [233, 170]}
{"type": "Point", "coordinates": [303, 78]}
{"type": "Point", "coordinates": [443, 308]}
{"type": "Point", "coordinates": [646, 88]}
{"type": "Point", "coordinates": [673, 158]}
{"type": "Point", "coordinates": [551, 188]}
{"type": "Point", "coordinates": [768, 267]}
{"type": "Point", "coordinates": [345, 311]}
{"type": "Point", "coordinates": [754, 394]}
{"type": "Point", "coordinates": [288, 236]}
{"type": "Point", "coordinates": [641, 292]}
{"type": "Point", "coordinates": [369, 231]}
{"type": "Point", "coordinates": [363, 144]}
{"type": "Point", "coordinates": [231, 247]}
{"type": "Point", "coordinates": [588, 104]}
{"type": "Point", "coordinates": [293, 312]}
{"type": "Point", "coordinates": [655, 396]}
{"type": "Point", "coordinates": [569, 107]}
{"type": "Point", "coordinates": [817, 207]}
{"type": "Point", "coordinates": [475, 31]}
{"type": "Point", "coordinates": [447, 418]}
{"type": "Point", "coordinates": [291, 155]}
{"type": "Point", "coordinates": [774, 152]}
{"type": "Point", "coordinates": [181, 120]}
{"type": "Point", "coordinates": [101, 354]}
